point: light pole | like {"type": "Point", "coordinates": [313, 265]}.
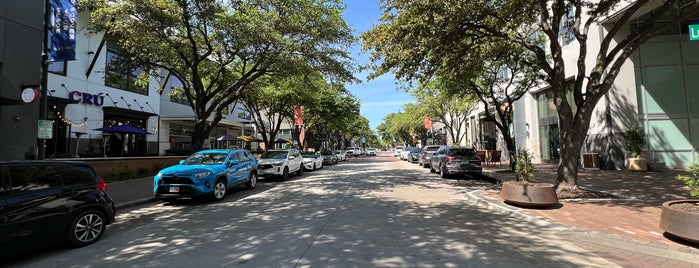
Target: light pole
{"type": "Point", "coordinates": [41, 154]}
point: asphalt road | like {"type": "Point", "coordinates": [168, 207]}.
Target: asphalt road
{"type": "Point", "coordinates": [366, 212]}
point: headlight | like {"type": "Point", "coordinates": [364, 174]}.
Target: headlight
{"type": "Point", "coordinates": [276, 164]}
{"type": "Point", "coordinates": [201, 174]}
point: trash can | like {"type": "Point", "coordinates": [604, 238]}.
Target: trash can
{"type": "Point", "coordinates": [590, 161]}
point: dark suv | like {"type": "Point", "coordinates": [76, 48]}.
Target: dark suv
{"type": "Point", "coordinates": [456, 160]}
{"type": "Point", "coordinates": [52, 200]}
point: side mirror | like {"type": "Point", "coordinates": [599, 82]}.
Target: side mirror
{"type": "Point", "coordinates": [233, 162]}
{"type": "Point", "coordinates": [181, 162]}
{"type": "Point", "coordinates": [291, 157]}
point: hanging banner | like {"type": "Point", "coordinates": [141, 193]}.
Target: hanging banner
{"type": "Point", "coordinates": [428, 122]}
{"type": "Point", "coordinates": [63, 17]}
{"type": "Point", "coordinates": [298, 115]}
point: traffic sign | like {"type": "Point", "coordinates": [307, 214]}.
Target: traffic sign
{"type": "Point", "coordinates": [694, 32]}
{"type": "Point", "coordinates": [45, 130]}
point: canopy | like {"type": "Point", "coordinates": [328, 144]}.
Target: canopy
{"type": "Point", "coordinates": [280, 141]}
{"type": "Point", "coordinates": [123, 128]}
{"type": "Point", "coordinates": [227, 138]}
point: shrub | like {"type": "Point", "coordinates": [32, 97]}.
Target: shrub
{"type": "Point", "coordinates": [692, 180]}
{"type": "Point", "coordinates": [524, 167]}
{"type": "Point", "coordinates": [635, 140]}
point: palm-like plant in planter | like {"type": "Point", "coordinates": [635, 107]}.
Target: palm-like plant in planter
{"type": "Point", "coordinates": [635, 140]}
{"type": "Point", "coordinates": [525, 193]}
{"type": "Point", "coordinates": [681, 217]}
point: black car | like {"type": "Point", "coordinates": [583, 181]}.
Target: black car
{"type": "Point", "coordinates": [51, 201]}
{"type": "Point", "coordinates": [451, 160]}
{"type": "Point", "coordinates": [414, 155]}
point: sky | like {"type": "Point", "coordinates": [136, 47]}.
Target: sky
{"type": "Point", "coordinates": [379, 96]}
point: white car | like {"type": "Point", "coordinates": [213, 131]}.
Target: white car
{"type": "Point", "coordinates": [405, 153]}
{"type": "Point", "coordinates": [397, 151]}
{"type": "Point", "coordinates": [280, 163]}
{"type": "Point", "coordinates": [371, 151]}
{"type": "Point", "coordinates": [341, 155]}
{"type": "Point", "coordinates": [312, 160]}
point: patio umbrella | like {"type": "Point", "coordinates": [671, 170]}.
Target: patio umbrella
{"type": "Point", "coordinates": [123, 129]}
{"type": "Point", "coordinates": [228, 138]}
{"type": "Point", "coordinates": [248, 139]}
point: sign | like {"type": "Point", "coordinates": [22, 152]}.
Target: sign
{"type": "Point", "coordinates": [694, 32]}
{"type": "Point", "coordinates": [63, 18]}
{"type": "Point", "coordinates": [428, 122]}
{"type": "Point", "coordinates": [45, 130]}
{"type": "Point", "coordinates": [30, 94]}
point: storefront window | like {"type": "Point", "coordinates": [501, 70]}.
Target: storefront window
{"type": "Point", "coordinates": [58, 67]}
{"type": "Point", "coordinates": [122, 74]}
{"type": "Point", "coordinates": [177, 91]}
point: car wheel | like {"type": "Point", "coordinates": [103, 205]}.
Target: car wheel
{"type": "Point", "coordinates": [314, 166]}
{"type": "Point", "coordinates": [285, 174]}
{"type": "Point", "coordinates": [86, 228]}
{"type": "Point", "coordinates": [442, 173]}
{"type": "Point", "coordinates": [252, 181]}
{"type": "Point", "coordinates": [432, 169]}
{"type": "Point", "coordinates": [220, 189]}
{"type": "Point", "coordinates": [300, 171]}
{"type": "Point", "coordinates": [419, 163]}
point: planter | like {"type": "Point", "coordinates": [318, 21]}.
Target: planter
{"type": "Point", "coordinates": [680, 223]}
{"type": "Point", "coordinates": [638, 164]}
{"type": "Point", "coordinates": [529, 194]}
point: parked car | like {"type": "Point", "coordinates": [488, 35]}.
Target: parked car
{"type": "Point", "coordinates": [414, 155]}
{"type": "Point", "coordinates": [44, 202]}
{"type": "Point", "coordinates": [312, 160]}
{"type": "Point", "coordinates": [280, 163]}
{"type": "Point", "coordinates": [371, 151]}
{"type": "Point", "coordinates": [340, 155]}
{"type": "Point", "coordinates": [329, 158]}
{"type": "Point", "coordinates": [405, 153]}
{"type": "Point", "coordinates": [209, 173]}
{"type": "Point", "coordinates": [426, 154]}
{"type": "Point", "coordinates": [451, 160]}
{"type": "Point", "coordinates": [352, 151]}
{"type": "Point", "coordinates": [397, 151]}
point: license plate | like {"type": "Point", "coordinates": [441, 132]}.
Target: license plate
{"type": "Point", "coordinates": [174, 189]}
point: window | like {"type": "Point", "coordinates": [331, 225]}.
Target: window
{"type": "Point", "coordinates": [58, 67]}
{"type": "Point", "coordinates": [120, 73]}
{"type": "Point", "coordinates": [32, 178]}
{"type": "Point", "coordinates": [177, 91]}
{"type": "Point", "coordinates": [75, 174]}
{"type": "Point", "coordinates": [566, 35]}
{"type": "Point", "coordinates": [244, 114]}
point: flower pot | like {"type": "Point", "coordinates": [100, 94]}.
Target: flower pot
{"type": "Point", "coordinates": [638, 164]}
{"type": "Point", "coordinates": [678, 222]}
{"type": "Point", "coordinates": [529, 194]}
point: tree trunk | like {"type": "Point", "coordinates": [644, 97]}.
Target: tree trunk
{"type": "Point", "coordinates": [199, 135]}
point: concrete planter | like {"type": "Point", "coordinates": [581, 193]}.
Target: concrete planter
{"type": "Point", "coordinates": [529, 194]}
{"type": "Point", "coordinates": [680, 223]}
{"type": "Point", "coordinates": [638, 164]}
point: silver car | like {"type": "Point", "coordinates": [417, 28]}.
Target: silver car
{"type": "Point", "coordinates": [312, 160]}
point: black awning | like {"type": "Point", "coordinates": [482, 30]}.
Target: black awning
{"type": "Point", "coordinates": [127, 112]}
{"type": "Point", "coordinates": [9, 101]}
{"type": "Point", "coordinates": [62, 101]}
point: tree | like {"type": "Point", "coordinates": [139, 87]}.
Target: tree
{"type": "Point", "coordinates": [415, 35]}
{"type": "Point", "coordinates": [451, 109]}
{"type": "Point", "coordinates": [218, 48]}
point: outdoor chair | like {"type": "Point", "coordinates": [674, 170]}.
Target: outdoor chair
{"type": "Point", "coordinates": [495, 157]}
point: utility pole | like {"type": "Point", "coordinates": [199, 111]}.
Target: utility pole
{"type": "Point", "coordinates": [41, 143]}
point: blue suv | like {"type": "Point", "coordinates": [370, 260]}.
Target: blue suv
{"type": "Point", "coordinates": [206, 173]}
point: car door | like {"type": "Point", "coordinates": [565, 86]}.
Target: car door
{"type": "Point", "coordinates": [34, 207]}
{"type": "Point", "coordinates": [235, 168]}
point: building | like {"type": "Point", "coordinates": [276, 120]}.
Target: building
{"type": "Point", "coordinates": [657, 89]}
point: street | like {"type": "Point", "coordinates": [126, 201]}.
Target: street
{"type": "Point", "coordinates": [365, 212]}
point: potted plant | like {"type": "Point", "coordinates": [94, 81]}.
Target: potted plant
{"type": "Point", "coordinates": [522, 192]}
{"type": "Point", "coordinates": [635, 140]}
{"type": "Point", "coordinates": [681, 217]}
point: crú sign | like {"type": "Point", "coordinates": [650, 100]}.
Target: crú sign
{"type": "Point", "coordinates": [87, 98]}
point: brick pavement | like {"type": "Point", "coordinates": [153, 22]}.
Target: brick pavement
{"type": "Point", "coordinates": [633, 219]}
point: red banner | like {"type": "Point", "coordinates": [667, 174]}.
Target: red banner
{"type": "Point", "coordinates": [428, 123]}
{"type": "Point", "coordinates": [298, 115]}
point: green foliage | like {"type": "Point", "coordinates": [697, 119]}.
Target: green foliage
{"type": "Point", "coordinates": [524, 167]}
{"type": "Point", "coordinates": [635, 140]}
{"type": "Point", "coordinates": [692, 180]}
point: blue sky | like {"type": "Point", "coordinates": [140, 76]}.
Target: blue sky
{"type": "Point", "coordinates": [379, 96]}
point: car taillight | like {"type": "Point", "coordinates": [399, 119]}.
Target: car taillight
{"type": "Point", "coordinates": [448, 159]}
{"type": "Point", "coordinates": [102, 185]}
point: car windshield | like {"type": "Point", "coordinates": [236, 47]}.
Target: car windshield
{"type": "Point", "coordinates": [274, 155]}
{"type": "Point", "coordinates": [309, 155]}
{"type": "Point", "coordinates": [206, 158]}
{"type": "Point", "coordinates": [432, 148]}
{"type": "Point", "coordinates": [470, 154]}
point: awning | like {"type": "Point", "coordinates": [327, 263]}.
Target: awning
{"type": "Point", "coordinates": [127, 112]}
{"type": "Point", "coordinates": [62, 101]}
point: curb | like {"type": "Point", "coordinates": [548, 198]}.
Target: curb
{"type": "Point", "coordinates": [131, 204]}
